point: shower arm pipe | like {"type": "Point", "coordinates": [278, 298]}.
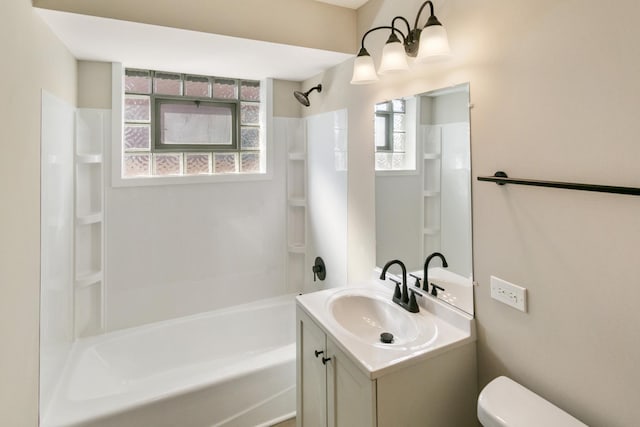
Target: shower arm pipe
{"type": "Point", "coordinates": [382, 27]}
{"type": "Point", "coordinates": [316, 87]}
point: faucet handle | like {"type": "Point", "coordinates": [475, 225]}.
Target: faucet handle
{"type": "Point", "coordinates": [397, 295]}
{"type": "Point", "coordinates": [413, 304]}
{"type": "Point", "coordinates": [417, 283]}
{"type": "Point", "coordinates": [434, 289]}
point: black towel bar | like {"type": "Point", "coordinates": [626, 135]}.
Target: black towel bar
{"type": "Point", "coordinates": [501, 178]}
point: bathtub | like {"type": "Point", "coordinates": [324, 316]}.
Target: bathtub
{"type": "Point", "coordinates": [230, 367]}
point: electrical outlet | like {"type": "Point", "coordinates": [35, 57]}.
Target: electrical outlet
{"type": "Point", "coordinates": [508, 293]}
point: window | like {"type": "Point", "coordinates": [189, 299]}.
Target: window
{"type": "Point", "coordinates": [177, 124]}
{"type": "Point", "coordinates": [394, 151]}
{"type": "Point", "coordinates": [194, 125]}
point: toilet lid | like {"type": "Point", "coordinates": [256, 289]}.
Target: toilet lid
{"type": "Point", "coordinates": [505, 403]}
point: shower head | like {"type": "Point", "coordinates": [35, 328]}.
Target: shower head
{"type": "Point", "coordinates": [303, 97]}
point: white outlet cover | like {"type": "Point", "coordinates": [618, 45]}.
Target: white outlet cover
{"type": "Point", "coordinates": [508, 293]}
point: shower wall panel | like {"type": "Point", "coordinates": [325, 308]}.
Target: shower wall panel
{"type": "Point", "coordinates": [56, 277]}
{"type": "Point", "coordinates": [327, 196]}
{"type": "Point", "coordinates": [176, 250]}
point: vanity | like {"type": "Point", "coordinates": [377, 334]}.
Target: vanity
{"type": "Point", "coordinates": [425, 373]}
{"type": "Point", "coordinates": [347, 377]}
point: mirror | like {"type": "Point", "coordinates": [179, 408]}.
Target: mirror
{"type": "Point", "coordinates": [423, 188]}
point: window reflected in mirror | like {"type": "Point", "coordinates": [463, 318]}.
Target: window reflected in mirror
{"type": "Point", "coordinates": [395, 136]}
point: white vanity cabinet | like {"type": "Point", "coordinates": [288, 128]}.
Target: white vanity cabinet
{"type": "Point", "coordinates": [332, 391]}
{"type": "Point", "coordinates": [440, 391]}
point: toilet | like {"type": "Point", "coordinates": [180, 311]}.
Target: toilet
{"type": "Point", "coordinates": [505, 403]}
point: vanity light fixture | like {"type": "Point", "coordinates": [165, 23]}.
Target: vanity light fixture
{"type": "Point", "coordinates": [423, 44]}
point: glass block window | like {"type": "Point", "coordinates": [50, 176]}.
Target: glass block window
{"type": "Point", "coordinates": [197, 163]}
{"type": "Point", "coordinates": [225, 89]}
{"type": "Point", "coordinates": [167, 84]}
{"type": "Point", "coordinates": [390, 134]}
{"type": "Point", "coordinates": [197, 86]}
{"type": "Point", "coordinates": [185, 125]}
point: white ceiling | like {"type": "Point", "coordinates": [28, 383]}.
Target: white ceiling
{"type": "Point", "coordinates": [169, 49]}
{"type": "Point", "coordinates": [351, 4]}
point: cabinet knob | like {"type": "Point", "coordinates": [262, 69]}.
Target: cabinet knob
{"type": "Point", "coordinates": [325, 360]}
{"type": "Point", "coordinates": [318, 352]}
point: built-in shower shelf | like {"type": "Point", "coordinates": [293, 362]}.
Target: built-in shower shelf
{"type": "Point", "coordinates": [431, 193]}
{"type": "Point", "coordinates": [297, 156]}
{"type": "Point", "coordinates": [296, 193]}
{"type": "Point", "coordinates": [431, 156]}
{"type": "Point", "coordinates": [297, 249]}
{"type": "Point", "coordinates": [297, 201]}
{"type": "Point", "coordinates": [91, 218]}
{"type": "Point", "coordinates": [91, 135]}
{"type": "Point", "coordinates": [89, 158]}
{"type": "Point", "coordinates": [89, 278]}
{"type": "Point", "coordinates": [431, 231]}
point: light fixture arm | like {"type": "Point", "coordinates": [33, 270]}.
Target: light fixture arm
{"type": "Point", "coordinates": [383, 27]}
{"type": "Point", "coordinates": [413, 38]}
{"type": "Point", "coordinates": [393, 24]}
{"type": "Point", "coordinates": [428, 2]}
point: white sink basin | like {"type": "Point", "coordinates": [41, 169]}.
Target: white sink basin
{"type": "Point", "coordinates": [355, 316]}
{"type": "Point", "coordinates": [366, 315]}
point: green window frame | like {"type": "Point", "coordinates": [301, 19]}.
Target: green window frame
{"type": "Point", "coordinates": [388, 111]}
{"type": "Point", "coordinates": [157, 128]}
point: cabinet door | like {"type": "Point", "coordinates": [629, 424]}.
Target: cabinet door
{"type": "Point", "coordinates": [351, 399]}
{"type": "Point", "coordinates": [311, 378]}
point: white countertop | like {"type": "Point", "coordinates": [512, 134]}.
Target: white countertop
{"type": "Point", "coordinates": [453, 328]}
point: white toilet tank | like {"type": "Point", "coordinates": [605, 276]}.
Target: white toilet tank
{"type": "Point", "coordinates": [505, 403]}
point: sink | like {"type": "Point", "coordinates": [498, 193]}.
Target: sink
{"type": "Point", "coordinates": [367, 315]}
{"type": "Point", "coordinates": [355, 316]}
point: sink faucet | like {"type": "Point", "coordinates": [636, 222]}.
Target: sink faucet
{"type": "Point", "coordinates": [425, 284]}
{"type": "Point", "coordinates": [401, 298]}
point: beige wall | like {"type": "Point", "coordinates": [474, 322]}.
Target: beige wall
{"type": "Point", "coordinates": [284, 104]}
{"type": "Point", "coordinates": [32, 59]}
{"type": "Point", "coordinates": [305, 23]}
{"type": "Point", "coordinates": [555, 97]}
{"type": "Point", "coordinates": [94, 84]}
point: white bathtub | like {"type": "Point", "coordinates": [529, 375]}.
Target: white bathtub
{"type": "Point", "coordinates": [231, 367]}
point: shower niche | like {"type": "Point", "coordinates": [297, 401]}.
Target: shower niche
{"type": "Point", "coordinates": [296, 206]}
{"type": "Point", "coordinates": [91, 129]}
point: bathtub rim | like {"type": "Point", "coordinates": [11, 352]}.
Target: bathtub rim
{"type": "Point", "coordinates": [61, 399]}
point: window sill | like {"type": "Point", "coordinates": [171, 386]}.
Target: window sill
{"type": "Point", "coordinates": [396, 172]}
{"type": "Point", "coordinates": [189, 179]}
